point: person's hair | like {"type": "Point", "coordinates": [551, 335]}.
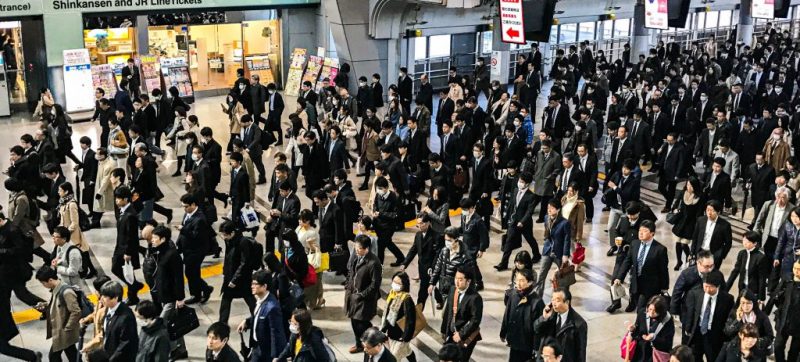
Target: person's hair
{"type": "Point", "coordinates": [467, 272]}
{"type": "Point", "coordinates": [17, 150]}
{"type": "Point", "coordinates": [112, 290]}
{"type": "Point", "coordinates": [373, 337]}
{"type": "Point", "coordinates": [565, 292]}
{"type": "Point", "coordinates": [682, 353]}
{"type": "Point", "coordinates": [228, 227]}
{"type": "Point", "coordinates": [62, 231]}
{"type": "Point", "coordinates": [118, 173]}
{"type": "Point", "coordinates": [704, 254]}
{"type": "Point", "coordinates": [714, 278]}
{"type": "Point", "coordinates": [46, 273]}
{"type": "Point", "coordinates": [273, 264]}
{"type": "Point", "coordinates": [749, 330]}
{"type": "Point", "coordinates": [13, 185]}
{"type": "Point", "coordinates": [236, 156]}
{"type": "Point", "coordinates": [554, 345]}
{"type": "Point", "coordinates": [715, 204]}
{"type": "Point", "coordinates": [450, 352]}
{"type": "Point", "coordinates": [381, 182]}
{"type": "Point", "coordinates": [364, 241]}
{"type": "Point", "coordinates": [659, 304]}
{"type": "Point", "coordinates": [304, 322]}
{"type": "Point", "coordinates": [649, 224]}
{"type": "Point", "coordinates": [67, 187]}
{"type": "Point", "coordinates": [189, 199]}
{"type": "Point", "coordinates": [86, 141]}
{"type": "Point", "coordinates": [262, 277]}
{"type": "Point", "coordinates": [753, 236]}
{"type": "Point", "coordinates": [404, 280]}
{"type": "Point", "coordinates": [220, 330]}
{"type": "Point", "coordinates": [51, 168]}
{"type": "Point", "coordinates": [466, 203]}
{"type": "Point", "coordinates": [524, 257]}
{"type": "Point", "coordinates": [147, 309]}
{"type": "Point", "coordinates": [366, 220]}
{"type": "Point", "coordinates": [206, 132]}
{"type": "Point", "coordinates": [554, 203]}
{"type": "Point", "coordinates": [100, 281]}
{"type": "Point", "coordinates": [452, 232]}
{"type": "Point", "coordinates": [306, 215]}
{"type": "Point", "coordinates": [162, 232]}
{"type": "Point", "coordinates": [123, 192]}
{"type": "Point", "coordinates": [320, 195]}
{"type": "Point", "coordinates": [528, 274]}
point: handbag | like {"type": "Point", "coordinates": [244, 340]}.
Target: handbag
{"type": "Point", "coordinates": [618, 292]}
{"type": "Point", "coordinates": [244, 349]}
{"type": "Point", "coordinates": [337, 259]}
{"type": "Point", "coordinates": [320, 261]}
{"type": "Point", "coordinates": [249, 217]}
{"type": "Point", "coordinates": [419, 323]}
{"type": "Point", "coordinates": [659, 356]}
{"type": "Point", "coordinates": [579, 254]}
{"type": "Point", "coordinates": [459, 178]}
{"type": "Point", "coordinates": [182, 321]}
{"type": "Point", "coordinates": [127, 272]}
{"type": "Point", "coordinates": [564, 277]}
{"type": "Point", "coordinates": [672, 217]}
{"type": "Point", "coordinates": [627, 346]}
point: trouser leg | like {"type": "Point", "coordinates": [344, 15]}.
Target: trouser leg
{"type": "Point", "coordinates": [780, 346]}
{"type": "Point", "coordinates": [794, 348]}
{"type": "Point", "coordinates": [547, 262]}
{"type": "Point", "coordinates": [393, 247]}
{"type": "Point", "coordinates": [589, 203]}
{"type": "Point", "coordinates": [192, 270]}
{"type": "Point", "coordinates": [424, 282]}
{"type": "Point", "coordinates": [225, 308]}
{"type": "Point", "coordinates": [25, 295]}
{"type": "Point", "coordinates": [179, 344]}
{"type": "Point", "coordinates": [543, 206]}
{"type": "Point", "coordinates": [259, 164]}
{"type": "Point", "coordinates": [7, 349]}
{"type": "Point", "coordinates": [359, 327]}
{"type": "Point", "coordinates": [527, 233]}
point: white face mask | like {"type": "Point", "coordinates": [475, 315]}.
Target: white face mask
{"type": "Point", "coordinates": [476, 154]}
{"type": "Point", "coordinates": [464, 212]}
{"type": "Point", "coordinates": [449, 244]}
{"type": "Point", "coordinates": [362, 83]}
{"type": "Point", "coordinates": [522, 185]}
{"type": "Point", "coordinates": [287, 243]}
{"type": "Point", "coordinates": [703, 98]}
{"type": "Point", "coordinates": [294, 328]}
{"type": "Point", "coordinates": [577, 128]}
{"type": "Point", "coordinates": [195, 158]}
{"type": "Point", "coordinates": [396, 287]}
{"type": "Point", "coordinates": [242, 86]}
{"type": "Point", "coordinates": [517, 124]}
{"type": "Point", "coordinates": [272, 92]}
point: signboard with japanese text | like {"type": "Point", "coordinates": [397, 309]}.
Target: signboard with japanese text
{"type": "Point", "coordinates": [656, 15]}
{"type": "Point", "coordinates": [512, 27]}
{"type": "Point", "coordinates": [763, 9]}
{"type": "Point", "coordinates": [79, 88]}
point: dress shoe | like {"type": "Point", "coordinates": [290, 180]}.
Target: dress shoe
{"type": "Point", "coordinates": [177, 173]}
{"type": "Point", "coordinates": [588, 221]}
{"type": "Point", "coordinates": [91, 274]}
{"type": "Point", "coordinates": [169, 216]}
{"type": "Point", "coordinates": [678, 266]}
{"type": "Point", "coordinates": [95, 225]}
{"type": "Point", "coordinates": [606, 208]}
{"type": "Point", "coordinates": [261, 181]}
{"type": "Point", "coordinates": [207, 294]}
{"type": "Point", "coordinates": [396, 264]}
{"type": "Point", "coordinates": [360, 174]}
{"type": "Point", "coordinates": [665, 210]}
{"type": "Point", "coordinates": [630, 308]}
{"type": "Point", "coordinates": [132, 301]}
{"type": "Point", "coordinates": [611, 251]}
{"type": "Point", "coordinates": [356, 349]}
{"type": "Point", "coordinates": [178, 355]}
{"type": "Point", "coordinates": [501, 267]}
{"type": "Point", "coordinates": [614, 306]}
{"type": "Point", "coordinates": [363, 188]}
{"type": "Point", "coordinates": [192, 300]}
{"type": "Point", "coordinates": [539, 221]}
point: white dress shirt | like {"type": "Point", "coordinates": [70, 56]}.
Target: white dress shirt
{"type": "Point", "coordinates": [710, 224]}
{"type": "Point", "coordinates": [713, 307]}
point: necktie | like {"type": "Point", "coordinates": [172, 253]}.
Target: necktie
{"type": "Point", "coordinates": [746, 268]}
{"type": "Point", "coordinates": [321, 214]}
{"type": "Point", "coordinates": [706, 319]}
{"type": "Point", "coordinates": [635, 128]}
{"type": "Point", "coordinates": [640, 259]}
{"type": "Point", "coordinates": [558, 322]}
{"type": "Point", "coordinates": [564, 181]}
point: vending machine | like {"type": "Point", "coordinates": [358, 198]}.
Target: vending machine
{"type": "Point", "coordinates": [5, 101]}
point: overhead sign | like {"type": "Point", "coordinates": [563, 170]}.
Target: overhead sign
{"type": "Point", "coordinates": [656, 15]}
{"type": "Point", "coordinates": [763, 9]}
{"type": "Point", "coordinates": [79, 88]}
{"type": "Point", "coordinates": [512, 26]}
{"type": "Point", "coordinates": [9, 8]}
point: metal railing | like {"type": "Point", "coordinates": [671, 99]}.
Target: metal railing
{"type": "Point", "coordinates": [437, 68]}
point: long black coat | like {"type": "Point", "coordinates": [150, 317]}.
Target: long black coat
{"type": "Point", "coordinates": [521, 312]}
{"type": "Point", "coordinates": [128, 236]}
{"type": "Point", "coordinates": [572, 335]}
{"type": "Point", "coordinates": [468, 314]}
{"type": "Point", "coordinates": [168, 278]}
{"type": "Point", "coordinates": [14, 269]}
{"type": "Point", "coordinates": [121, 341]}
{"type": "Point", "coordinates": [362, 288]}
{"type": "Point", "coordinates": [427, 247]}
{"type": "Point", "coordinates": [235, 268]}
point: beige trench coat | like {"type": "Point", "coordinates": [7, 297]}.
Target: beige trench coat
{"type": "Point", "coordinates": [103, 186]}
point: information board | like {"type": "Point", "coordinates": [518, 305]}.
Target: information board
{"type": "Point", "coordinates": [763, 9]}
{"type": "Point", "coordinates": [512, 25]}
{"type": "Point", "coordinates": [295, 76]}
{"type": "Point", "coordinates": [78, 85]}
{"type": "Point", "coordinates": [656, 14]}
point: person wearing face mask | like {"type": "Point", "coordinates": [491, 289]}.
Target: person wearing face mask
{"type": "Point", "coordinates": [104, 192]}
{"type": "Point", "coordinates": [450, 258]}
{"type": "Point", "coordinates": [362, 289]}
{"type": "Point", "coordinates": [405, 87]}
{"type": "Point", "coordinates": [475, 235]}
{"type": "Point", "coordinates": [364, 97]}
{"type": "Point", "coordinates": [522, 309]}
{"type": "Point", "coordinates": [153, 338]}
{"type": "Point", "coordinates": [776, 150]}
{"type": "Point", "coordinates": [399, 317]}
{"type": "Point", "coordinates": [305, 341]}
{"type": "Point", "coordinates": [385, 216]}
{"type": "Point", "coordinates": [236, 270]}
{"type": "Point", "coordinates": [517, 220]}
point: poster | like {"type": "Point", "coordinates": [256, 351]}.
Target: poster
{"type": "Point", "coordinates": [78, 85]}
{"type": "Point", "coordinates": [313, 68]}
{"type": "Point", "coordinates": [293, 80]}
{"type": "Point", "coordinates": [763, 9]}
{"type": "Point", "coordinates": [149, 67]}
{"type": "Point", "coordinates": [259, 64]}
{"type": "Point", "coordinates": [656, 14]}
{"type": "Point", "coordinates": [329, 70]}
{"type": "Point", "coordinates": [103, 77]}
{"type": "Point", "coordinates": [176, 74]}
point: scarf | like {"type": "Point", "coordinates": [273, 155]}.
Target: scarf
{"type": "Point", "coordinates": [65, 200]}
{"type": "Point", "coordinates": [394, 301]}
{"type": "Point", "coordinates": [570, 203]}
{"type": "Point", "coordinates": [690, 198]}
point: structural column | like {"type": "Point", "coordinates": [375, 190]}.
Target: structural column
{"type": "Point", "coordinates": [500, 62]}
{"type": "Point", "coordinates": [745, 28]}
{"type": "Point", "coordinates": [641, 35]}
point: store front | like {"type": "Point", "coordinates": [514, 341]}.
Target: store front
{"type": "Point", "coordinates": [212, 45]}
{"type": "Point", "coordinates": [20, 59]}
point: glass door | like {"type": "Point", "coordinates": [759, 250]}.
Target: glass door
{"type": "Point", "coordinates": [11, 49]}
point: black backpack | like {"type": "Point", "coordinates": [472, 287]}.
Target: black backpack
{"type": "Point", "coordinates": [84, 303]}
{"type": "Point", "coordinates": [83, 219]}
{"type": "Point", "coordinates": [254, 253]}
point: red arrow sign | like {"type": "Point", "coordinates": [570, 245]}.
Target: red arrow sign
{"type": "Point", "coordinates": [512, 32]}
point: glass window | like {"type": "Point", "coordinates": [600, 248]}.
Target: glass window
{"type": "Point", "coordinates": [553, 35]}
{"type": "Point", "coordinates": [586, 31]}
{"type": "Point", "coordinates": [608, 27]}
{"type": "Point", "coordinates": [569, 32]}
{"type": "Point", "coordinates": [725, 18]}
{"type": "Point", "coordinates": [711, 19]}
{"type": "Point", "coordinates": [622, 27]}
{"type": "Point", "coordinates": [701, 20]}
{"type": "Point", "coordinates": [486, 42]}
{"type": "Point", "coordinates": [420, 48]}
{"type": "Point", "coordinates": [440, 46]}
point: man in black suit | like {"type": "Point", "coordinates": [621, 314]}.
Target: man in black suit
{"type": "Point", "coordinates": [336, 152]}
{"type": "Point", "coordinates": [563, 323]}
{"type": "Point", "coordinates": [387, 136]}
{"type": "Point", "coordinates": [709, 138]}
{"type": "Point", "coordinates": [569, 174]}
{"type": "Point", "coordinates": [87, 172]}
{"type": "Point", "coordinates": [425, 92]}
{"type": "Point", "coordinates": [556, 119]}
{"type": "Point", "coordinates": [647, 262]}
{"type": "Point", "coordinates": [144, 181]}
{"type": "Point", "coordinates": [481, 186]}
{"type": "Point", "coordinates": [330, 220]}
{"type": "Point", "coordinates": [251, 136]}
{"type": "Point", "coordinates": [163, 113]}
{"type": "Point", "coordinates": [451, 148]}
{"type": "Point", "coordinates": [444, 111]}
{"type": "Point", "coordinates": [689, 279]}
{"type": "Point", "coordinates": [587, 164]}
{"type": "Point", "coordinates": [640, 136]}
{"type": "Point", "coordinates": [239, 193]}
{"type": "Point", "coordinates": [427, 244]}
{"type": "Point", "coordinates": [121, 340]}
{"type": "Point", "coordinates": [462, 314]}
{"type": "Point", "coordinates": [786, 319]}
{"type": "Point", "coordinates": [752, 267]}
{"type": "Point", "coordinates": [671, 163]}
{"type": "Point", "coordinates": [257, 97]}
{"type": "Point", "coordinates": [315, 165]}
{"type": "Point", "coordinates": [712, 233]}
{"type": "Point", "coordinates": [193, 242]}
{"type": "Point", "coordinates": [519, 213]}
{"type": "Point", "coordinates": [759, 177]}
{"type": "Point", "coordinates": [212, 154]}
{"type": "Point", "coordinates": [741, 102]}
{"type": "Point", "coordinates": [417, 142]}
{"type": "Point", "coordinates": [283, 214]}
{"type": "Point", "coordinates": [276, 106]}
{"type": "Point", "coordinates": [127, 246]}
{"type": "Point", "coordinates": [395, 170]}
{"type": "Point", "coordinates": [718, 183]}
{"type": "Point", "coordinates": [707, 311]}
{"type": "Point", "coordinates": [660, 121]}
{"type": "Point", "coordinates": [385, 219]}
{"type": "Point", "coordinates": [281, 173]}
{"type": "Point", "coordinates": [130, 72]}
{"type": "Point", "coordinates": [405, 88]}
{"type": "Point", "coordinates": [621, 149]}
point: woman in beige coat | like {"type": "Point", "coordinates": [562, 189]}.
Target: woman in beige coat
{"type": "Point", "coordinates": [69, 216]}
{"type": "Point", "coordinates": [574, 210]}
{"type": "Point", "coordinates": [104, 198]}
{"type": "Point", "coordinates": [97, 319]}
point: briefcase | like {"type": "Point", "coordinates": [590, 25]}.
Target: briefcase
{"type": "Point", "coordinates": [337, 260]}
{"type": "Point", "coordinates": [181, 321]}
{"type": "Point", "coordinates": [564, 277]}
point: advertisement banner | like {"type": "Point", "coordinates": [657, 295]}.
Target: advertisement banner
{"type": "Point", "coordinates": [79, 88]}
{"type": "Point", "coordinates": [656, 14]}
{"type": "Point", "coordinates": [763, 9]}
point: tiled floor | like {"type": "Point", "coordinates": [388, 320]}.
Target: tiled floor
{"type": "Point", "coordinates": [591, 295]}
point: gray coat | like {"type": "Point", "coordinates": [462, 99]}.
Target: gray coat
{"type": "Point", "coordinates": [63, 315]}
{"type": "Point", "coordinates": [153, 342]}
{"type": "Point", "coordinates": [764, 219]}
{"type": "Point", "coordinates": [362, 289]}
{"type": "Point", "coordinates": [547, 170]}
{"type": "Point", "coordinates": [70, 262]}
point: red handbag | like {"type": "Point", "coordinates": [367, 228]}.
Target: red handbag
{"type": "Point", "coordinates": [311, 277]}
{"type": "Point", "coordinates": [627, 347]}
{"type": "Point", "coordinates": [579, 254]}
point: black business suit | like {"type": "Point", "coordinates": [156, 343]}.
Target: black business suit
{"type": "Point", "coordinates": [710, 343]}
{"type": "Point", "coordinates": [575, 175]}
{"type": "Point", "coordinates": [571, 336]}
{"type": "Point", "coordinates": [653, 277]}
{"type": "Point", "coordinates": [275, 107]}
{"type": "Point", "coordinates": [619, 153]}
{"type": "Point", "coordinates": [212, 153]}
{"type": "Point", "coordinates": [331, 227]}
{"type": "Point", "coordinates": [720, 190]}
{"type": "Point", "coordinates": [516, 213]}
{"type": "Point", "coordinates": [385, 224]}
{"type": "Point", "coordinates": [337, 155]}
{"type": "Point", "coordinates": [451, 149]}
{"type": "Point", "coordinates": [289, 208]}
{"type": "Point", "coordinates": [754, 266]}
{"type": "Point", "coordinates": [252, 142]}
{"type": "Point", "coordinates": [482, 183]}
{"type": "Point", "coordinates": [427, 246]}
{"type": "Point", "coordinates": [193, 242]}
{"type": "Point", "coordinates": [640, 135]}
{"type": "Point", "coordinates": [120, 338]}
{"type": "Point", "coordinates": [444, 112]}
{"type": "Point", "coordinates": [239, 192]}
{"type": "Point", "coordinates": [671, 163]}
{"type": "Point", "coordinates": [89, 167]}
{"type": "Point", "coordinates": [127, 244]}
{"type": "Point", "coordinates": [315, 167]}
{"type": "Point", "coordinates": [467, 319]}
{"type": "Point", "coordinates": [590, 171]}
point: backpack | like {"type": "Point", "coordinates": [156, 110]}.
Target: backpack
{"type": "Point", "coordinates": [84, 303]}
{"type": "Point", "coordinates": [329, 349]}
{"type": "Point", "coordinates": [83, 219]}
{"type": "Point", "coordinates": [84, 268]}
{"type": "Point", "coordinates": [255, 253]}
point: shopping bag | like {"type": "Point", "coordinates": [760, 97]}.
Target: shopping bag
{"type": "Point", "coordinates": [659, 356]}
{"type": "Point", "coordinates": [181, 321]}
{"type": "Point", "coordinates": [127, 272]}
{"type": "Point", "coordinates": [618, 292]}
{"type": "Point", "coordinates": [579, 254]}
{"type": "Point", "coordinates": [627, 347]}
{"type": "Point", "coordinates": [325, 262]}
{"type": "Point", "coordinates": [249, 217]}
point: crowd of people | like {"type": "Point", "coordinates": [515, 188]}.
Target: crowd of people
{"type": "Point", "coordinates": [716, 119]}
